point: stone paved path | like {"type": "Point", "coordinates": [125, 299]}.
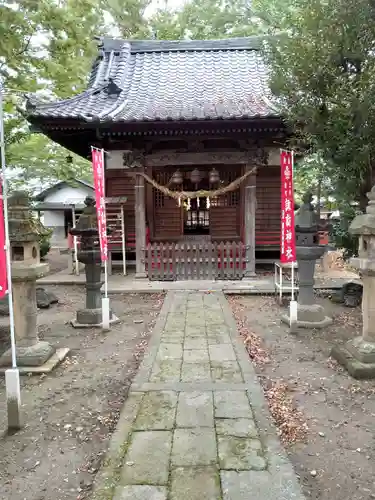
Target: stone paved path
{"type": "Point", "coordinates": [196, 425]}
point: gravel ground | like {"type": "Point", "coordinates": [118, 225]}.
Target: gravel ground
{"type": "Point", "coordinates": [334, 455]}
{"type": "Point", "coordinates": [57, 261]}
{"type": "Point", "coordinates": [70, 414]}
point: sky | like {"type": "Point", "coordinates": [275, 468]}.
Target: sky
{"type": "Point", "coordinates": [172, 4]}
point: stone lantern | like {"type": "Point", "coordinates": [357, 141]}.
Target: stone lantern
{"type": "Point", "coordinates": [26, 268]}
{"type": "Point", "coordinates": [308, 250]}
{"type": "Point", "coordinates": [358, 355]}
{"type": "Point", "coordinates": [89, 254]}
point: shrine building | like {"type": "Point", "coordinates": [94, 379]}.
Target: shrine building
{"type": "Point", "coordinates": [192, 142]}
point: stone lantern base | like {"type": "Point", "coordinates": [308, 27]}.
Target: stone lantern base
{"type": "Point", "coordinates": [358, 357]}
{"type": "Point", "coordinates": [40, 357]}
{"type": "Point", "coordinates": [309, 316]}
{"type": "Point", "coordinates": [92, 318]}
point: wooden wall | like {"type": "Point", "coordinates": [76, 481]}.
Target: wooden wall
{"type": "Point", "coordinates": [165, 217]}
{"type": "Point", "coordinates": [268, 213]}
{"type": "Point", "coordinates": [225, 212]}
{"type": "Point", "coordinates": [120, 184]}
{"type": "Point", "coordinates": [163, 213]}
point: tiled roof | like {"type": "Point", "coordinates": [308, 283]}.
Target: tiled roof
{"type": "Point", "coordinates": [170, 80]}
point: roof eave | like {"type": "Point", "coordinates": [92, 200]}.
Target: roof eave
{"type": "Point", "coordinates": [42, 195]}
{"type": "Point", "coordinates": [39, 122]}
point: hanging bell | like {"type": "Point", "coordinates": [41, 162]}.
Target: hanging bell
{"type": "Point", "coordinates": [177, 177]}
{"type": "Point", "coordinates": [195, 176]}
{"type": "Point", "coordinates": [214, 176]}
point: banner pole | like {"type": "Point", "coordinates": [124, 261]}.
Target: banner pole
{"type": "Point", "coordinates": [105, 300]}
{"type": "Point", "coordinates": [293, 313]}
{"type": "Point", "coordinates": [12, 380]}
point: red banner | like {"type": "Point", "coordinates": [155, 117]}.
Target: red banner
{"type": "Point", "coordinates": [3, 257]}
{"type": "Point", "coordinates": [288, 239]}
{"type": "Point", "coordinates": [98, 168]}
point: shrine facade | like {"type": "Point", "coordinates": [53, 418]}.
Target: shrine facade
{"type": "Point", "coordinates": [191, 138]}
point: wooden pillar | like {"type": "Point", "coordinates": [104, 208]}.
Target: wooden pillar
{"type": "Point", "coordinates": [249, 223]}
{"type": "Point", "coordinates": [140, 227]}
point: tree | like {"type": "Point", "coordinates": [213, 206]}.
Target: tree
{"type": "Point", "coordinates": [323, 74]}
{"type": "Point", "coordinates": [48, 46]}
{"type": "Point", "coordinates": [196, 19]}
{"type": "Point", "coordinates": [44, 45]}
{"type": "Point", "coordinates": [309, 175]}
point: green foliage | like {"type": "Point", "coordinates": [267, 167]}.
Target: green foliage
{"type": "Point", "coordinates": [323, 74]}
{"type": "Point", "coordinates": [48, 47]}
{"type": "Point", "coordinates": [45, 243]}
{"type": "Point", "coordinates": [309, 175]}
{"type": "Point", "coordinates": [341, 236]}
{"type": "Point", "coordinates": [45, 46]}
{"type": "Point", "coordinates": [322, 70]}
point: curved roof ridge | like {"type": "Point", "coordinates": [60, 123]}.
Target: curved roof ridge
{"type": "Point", "coordinates": [254, 42]}
{"type": "Point", "coordinates": [159, 80]}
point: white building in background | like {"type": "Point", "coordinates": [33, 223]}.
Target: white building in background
{"type": "Point", "coordinates": [57, 205]}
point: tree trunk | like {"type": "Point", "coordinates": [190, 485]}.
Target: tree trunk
{"type": "Point", "coordinates": [319, 196]}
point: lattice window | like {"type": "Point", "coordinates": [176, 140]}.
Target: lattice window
{"type": "Point", "coordinates": [159, 197]}
{"type": "Point", "coordinates": [231, 199]}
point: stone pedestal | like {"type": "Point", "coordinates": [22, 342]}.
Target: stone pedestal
{"type": "Point", "coordinates": [30, 351]}
{"type": "Point", "coordinates": [358, 355]}
{"type": "Point", "coordinates": [91, 315]}
{"type": "Point", "coordinates": [309, 314]}
{"type": "Point", "coordinates": [89, 255]}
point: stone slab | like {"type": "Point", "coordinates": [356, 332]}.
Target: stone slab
{"type": "Point", "coordinates": [214, 419]}
{"type": "Point", "coordinates": [118, 284]}
{"type": "Point", "coordinates": [195, 343]}
{"type": "Point", "coordinates": [56, 358]}
{"type": "Point", "coordinates": [188, 386]}
{"type": "Point", "coordinates": [35, 355]}
{"type": "Point", "coordinates": [218, 338]}
{"type": "Point", "coordinates": [193, 372]}
{"type": "Point", "coordinates": [147, 459]}
{"type": "Point", "coordinates": [113, 321]}
{"type": "Point", "coordinates": [326, 321]}
{"type": "Point", "coordinates": [169, 351]}
{"type": "Point", "coordinates": [196, 356]}
{"type": "Point", "coordinates": [195, 409]}
{"type": "Point", "coordinates": [140, 493]}
{"type": "Point", "coordinates": [237, 427]}
{"type": "Point", "coordinates": [166, 371]}
{"type": "Point", "coordinates": [355, 368]}
{"type": "Point", "coordinates": [240, 453]}
{"type": "Point", "coordinates": [195, 332]}
{"type": "Point", "coordinates": [194, 447]}
{"type": "Point", "coordinates": [221, 352]}
{"type": "Point", "coordinates": [157, 412]}
{"type": "Point", "coordinates": [226, 371]}
{"type": "Point", "coordinates": [228, 404]}
{"type": "Point", "coordinates": [257, 485]}
{"type": "Point", "coordinates": [198, 483]}
{"type": "Point", "coordinates": [173, 338]}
